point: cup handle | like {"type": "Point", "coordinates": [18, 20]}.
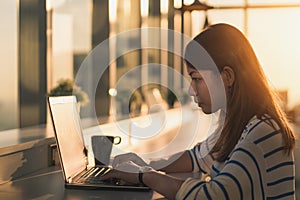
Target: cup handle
{"type": "Point", "coordinates": [117, 140]}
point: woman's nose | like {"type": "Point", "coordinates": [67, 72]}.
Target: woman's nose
{"type": "Point", "coordinates": [191, 91]}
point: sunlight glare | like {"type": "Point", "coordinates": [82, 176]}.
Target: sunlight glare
{"type": "Point", "coordinates": [164, 4]}
{"type": "Point", "coordinates": [177, 4]}
{"type": "Point", "coordinates": [188, 2]}
{"type": "Point", "coordinates": [144, 8]}
{"type": "Point", "coordinates": [112, 10]}
{"type": "Point", "coordinates": [278, 47]}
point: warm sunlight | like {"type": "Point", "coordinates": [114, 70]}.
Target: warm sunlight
{"type": "Point", "coordinates": [150, 99]}
{"type": "Point", "coordinates": [274, 33]}
{"type": "Point", "coordinates": [164, 5]}
{"type": "Point", "coordinates": [112, 10]}
{"type": "Point", "coordinates": [144, 8]}
{"type": "Point", "coordinates": [276, 40]}
{"type": "Point", "coordinates": [177, 3]}
{"type": "Point", "coordinates": [188, 2]}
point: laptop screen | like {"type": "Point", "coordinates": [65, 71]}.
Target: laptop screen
{"type": "Point", "coordinates": [66, 121]}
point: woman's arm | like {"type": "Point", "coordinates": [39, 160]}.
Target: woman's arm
{"type": "Point", "coordinates": [129, 171]}
{"type": "Point", "coordinates": [163, 184]}
{"type": "Point", "coordinates": [180, 162]}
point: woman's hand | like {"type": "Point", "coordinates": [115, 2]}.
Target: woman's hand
{"type": "Point", "coordinates": [128, 157]}
{"type": "Point", "coordinates": [159, 182]}
{"type": "Point", "coordinates": [126, 171]}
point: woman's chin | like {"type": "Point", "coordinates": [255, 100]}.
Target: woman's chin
{"type": "Point", "coordinates": [205, 109]}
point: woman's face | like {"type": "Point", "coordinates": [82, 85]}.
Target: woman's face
{"type": "Point", "coordinates": [206, 89]}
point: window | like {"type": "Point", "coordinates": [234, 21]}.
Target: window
{"type": "Point", "coordinates": [9, 107]}
{"type": "Point", "coordinates": [270, 25]}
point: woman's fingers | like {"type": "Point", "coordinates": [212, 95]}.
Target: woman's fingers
{"type": "Point", "coordinates": [121, 158]}
{"type": "Point", "coordinates": [128, 167]}
{"type": "Point", "coordinates": [109, 175]}
{"type": "Point", "coordinates": [127, 171]}
{"type": "Point", "coordinates": [128, 157]}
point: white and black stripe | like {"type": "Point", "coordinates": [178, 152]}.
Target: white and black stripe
{"type": "Point", "coordinates": [257, 168]}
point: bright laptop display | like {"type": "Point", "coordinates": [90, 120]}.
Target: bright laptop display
{"type": "Point", "coordinates": [73, 156]}
{"type": "Point", "coordinates": [69, 137]}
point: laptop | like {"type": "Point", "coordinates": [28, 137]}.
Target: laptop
{"type": "Point", "coordinates": [72, 152]}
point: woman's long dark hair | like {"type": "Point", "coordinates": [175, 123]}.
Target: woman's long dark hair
{"type": "Point", "coordinates": [250, 94]}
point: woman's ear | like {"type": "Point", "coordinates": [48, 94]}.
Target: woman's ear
{"type": "Point", "coordinates": [228, 76]}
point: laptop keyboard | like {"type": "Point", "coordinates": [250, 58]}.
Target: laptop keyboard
{"type": "Point", "coordinates": [92, 176]}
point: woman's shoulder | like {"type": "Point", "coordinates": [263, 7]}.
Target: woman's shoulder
{"type": "Point", "coordinates": [263, 132]}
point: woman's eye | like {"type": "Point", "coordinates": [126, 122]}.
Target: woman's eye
{"type": "Point", "coordinates": [196, 79]}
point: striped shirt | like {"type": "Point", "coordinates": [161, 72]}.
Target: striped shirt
{"type": "Point", "coordinates": [257, 168]}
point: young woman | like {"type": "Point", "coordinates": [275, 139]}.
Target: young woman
{"type": "Point", "coordinates": [252, 155]}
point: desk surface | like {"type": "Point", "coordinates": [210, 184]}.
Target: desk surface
{"type": "Point", "coordinates": [49, 184]}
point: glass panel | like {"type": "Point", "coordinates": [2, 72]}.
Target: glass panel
{"type": "Point", "coordinates": [154, 73]}
{"type": "Point", "coordinates": [128, 18]}
{"type": "Point", "coordinates": [272, 2]}
{"type": "Point", "coordinates": [152, 14]}
{"type": "Point", "coordinates": [234, 17]}
{"type": "Point", "coordinates": [71, 37]}
{"type": "Point", "coordinates": [225, 3]}
{"type": "Point", "coordinates": [277, 45]}
{"type": "Point", "coordinates": [9, 65]}
{"type": "Point", "coordinates": [198, 22]}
